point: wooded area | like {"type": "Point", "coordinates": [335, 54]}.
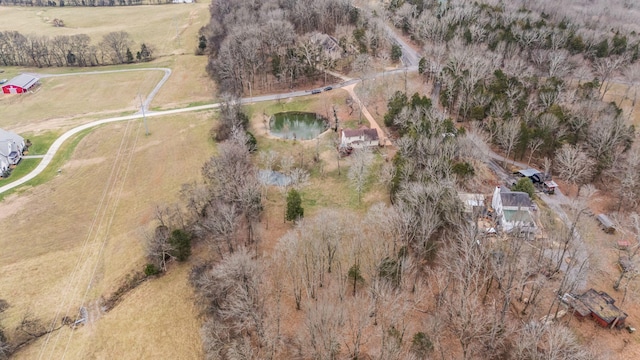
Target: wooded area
{"type": "Point", "coordinates": [17, 49]}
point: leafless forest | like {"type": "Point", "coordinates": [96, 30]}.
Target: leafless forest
{"type": "Point", "coordinates": [413, 278]}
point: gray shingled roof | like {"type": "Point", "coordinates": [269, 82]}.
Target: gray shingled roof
{"type": "Point", "coordinates": [8, 135]}
{"type": "Point", "coordinates": [515, 199]}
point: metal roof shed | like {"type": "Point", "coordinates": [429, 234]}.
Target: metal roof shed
{"type": "Point", "coordinates": [20, 84]}
{"type": "Point", "coordinates": [606, 223]}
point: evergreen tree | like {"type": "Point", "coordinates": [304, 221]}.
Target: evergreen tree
{"type": "Point", "coordinates": [129, 56]}
{"type": "Point", "coordinates": [294, 206]}
{"type": "Point", "coordinates": [180, 240]}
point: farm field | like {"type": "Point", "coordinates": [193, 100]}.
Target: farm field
{"type": "Point", "coordinates": [160, 26]}
{"type": "Point", "coordinates": [95, 214]}
{"type": "Point", "coordinates": [64, 102]}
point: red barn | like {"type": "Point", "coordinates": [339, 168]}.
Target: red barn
{"type": "Point", "coordinates": [20, 84]}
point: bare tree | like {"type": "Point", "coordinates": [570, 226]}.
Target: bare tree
{"type": "Point", "coordinates": [608, 137]}
{"type": "Point", "coordinates": [230, 294]}
{"type": "Point", "coordinates": [574, 165]}
{"type": "Point", "coordinates": [605, 68]}
{"type": "Point", "coordinates": [508, 136]}
{"type": "Point", "coordinates": [116, 44]}
{"type": "Point", "coordinates": [361, 160]}
{"type": "Point", "coordinates": [628, 176]}
{"type": "Point", "coordinates": [5, 348]}
{"type": "Point", "coordinates": [548, 341]}
{"type": "Point", "coordinates": [533, 146]}
{"type": "Point", "coordinates": [159, 249]}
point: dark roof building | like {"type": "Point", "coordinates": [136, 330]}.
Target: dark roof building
{"type": "Point", "coordinates": [599, 305]}
{"type": "Point", "coordinates": [515, 199]}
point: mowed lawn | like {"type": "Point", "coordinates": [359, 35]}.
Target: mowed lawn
{"type": "Point", "coordinates": [87, 226]}
{"type": "Point", "coordinates": [63, 102]}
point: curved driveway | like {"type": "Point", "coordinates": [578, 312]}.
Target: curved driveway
{"type": "Point", "coordinates": [48, 157]}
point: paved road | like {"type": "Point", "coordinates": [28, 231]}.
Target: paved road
{"type": "Point", "coordinates": [410, 60]}
{"type": "Point", "coordinates": [410, 57]}
{"type": "Point", "coordinates": [48, 157]}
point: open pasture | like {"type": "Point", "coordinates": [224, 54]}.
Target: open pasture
{"type": "Point", "coordinates": [67, 101]}
{"type": "Point", "coordinates": [87, 226]}
{"type": "Point", "coordinates": [163, 26]}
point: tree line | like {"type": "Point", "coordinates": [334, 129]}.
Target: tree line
{"type": "Point", "coordinates": [32, 50]}
{"type": "Point", "coordinates": [89, 3]}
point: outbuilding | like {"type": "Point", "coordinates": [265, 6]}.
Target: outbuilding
{"type": "Point", "coordinates": [598, 305]}
{"type": "Point", "coordinates": [606, 224]}
{"type": "Point", "coordinates": [20, 84]}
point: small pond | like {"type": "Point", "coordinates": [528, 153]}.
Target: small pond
{"type": "Point", "coordinates": [297, 125]}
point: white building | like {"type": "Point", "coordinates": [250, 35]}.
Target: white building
{"type": "Point", "coordinates": [359, 138]}
{"type": "Point", "coordinates": [512, 210]}
{"type": "Point", "coordinates": [11, 147]}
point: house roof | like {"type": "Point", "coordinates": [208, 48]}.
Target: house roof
{"type": "Point", "coordinates": [514, 198]}
{"type": "Point", "coordinates": [601, 304]}
{"type": "Point", "coordinates": [23, 80]}
{"type": "Point", "coordinates": [9, 135]}
{"type": "Point", "coordinates": [528, 172]}
{"type": "Point", "coordinates": [369, 134]}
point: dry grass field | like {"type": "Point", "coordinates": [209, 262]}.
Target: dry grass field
{"type": "Point", "coordinates": [79, 236]}
{"type": "Point", "coordinates": [171, 30]}
{"type": "Point", "coordinates": [64, 102]}
{"type": "Point", "coordinates": [163, 25]}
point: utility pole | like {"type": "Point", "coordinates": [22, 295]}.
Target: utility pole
{"type": "Point", "coordinates": [144, 116]}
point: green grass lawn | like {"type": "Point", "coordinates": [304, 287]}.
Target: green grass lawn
{"type": "Point", "coordinates": [40, 143]}
{"type": "Point", "coordinates": [63, 155]}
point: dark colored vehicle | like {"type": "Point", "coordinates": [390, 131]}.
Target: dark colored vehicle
{"type": "Point", "coordinates": [328, 88]}
{"type": "Point", "coordinates": [316, 91]}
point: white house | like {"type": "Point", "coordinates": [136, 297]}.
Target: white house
{"type": "Point", "coordinates": [11, 147]}
{"type": "Point", "coordinates": [359, 138]}
{"type": "Point", "coordinates": [512, 210]}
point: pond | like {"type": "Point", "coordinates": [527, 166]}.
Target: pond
{"type": "Point", "coordinates": [297, 125]}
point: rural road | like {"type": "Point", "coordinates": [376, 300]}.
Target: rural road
{"type": "Point", "coordinates": [48, 157]}
{"type": "Point", "coordinates": [410, 57]}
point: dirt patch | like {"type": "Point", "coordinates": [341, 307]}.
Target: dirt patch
{"type": "Point", "coordinates": [12, 205]}
{"type": "Point", "coordinates": [76, 163]}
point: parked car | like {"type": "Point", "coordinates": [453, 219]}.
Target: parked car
{"type": "Point", "coordinates": [316, 91]}
{"type": "Point", "coordinates": [328, 88]}
{"type": "Point", "coordinates": [3, 81]}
